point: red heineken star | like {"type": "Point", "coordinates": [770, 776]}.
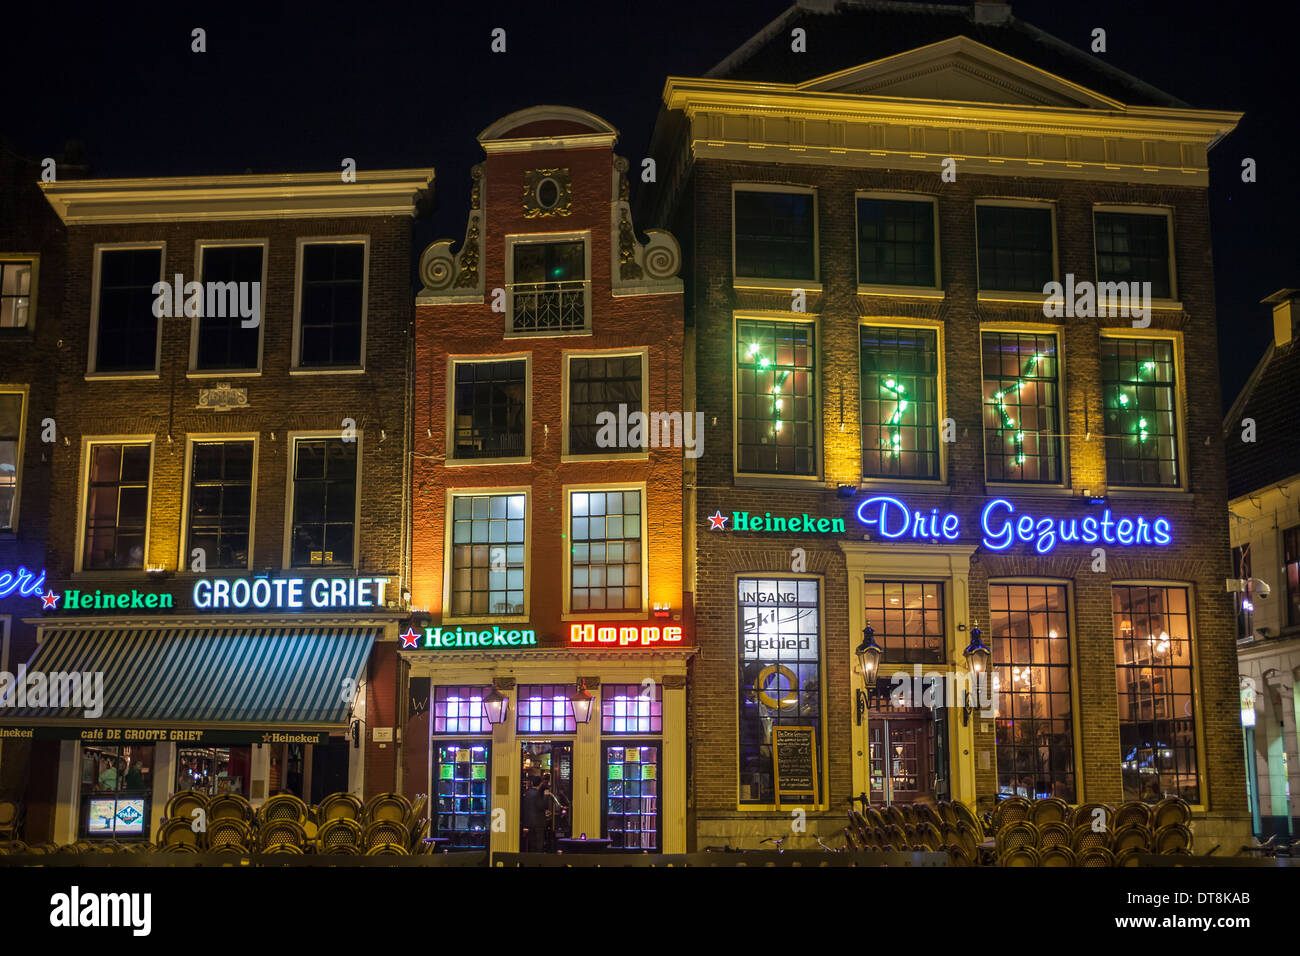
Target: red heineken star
{"type": "Point", "coordinates": [717, 521]}
{"type": "Point", "coordinates": [410, 638]}
{"type": "Point", "coordinates": [50, 599]}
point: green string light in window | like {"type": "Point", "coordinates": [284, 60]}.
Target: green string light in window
{"type": "Point", "coordinates": [1143, 428]}
{"type": "Point", "coordinates": [1000, 403]}
{"type": "Point", "coordinates": [893, 441]}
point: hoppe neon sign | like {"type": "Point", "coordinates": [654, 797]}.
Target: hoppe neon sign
{"type": "Point", "coordinates": [1002, 526]}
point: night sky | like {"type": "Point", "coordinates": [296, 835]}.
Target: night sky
{"type": "Point", "coordinates": [286, 88]}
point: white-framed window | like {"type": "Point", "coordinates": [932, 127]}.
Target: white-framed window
{"type": "Point", "coordinates": [487, 554]}
{"type": "Point", "coordinates": [1023, 407]}
{"type": "Point", "coordinates": [777, 410]}
{"type": "Point", "coordinates": [221, 343]}
{"type": "Point", "coordinates": [13, 429]}
{"type": "Point", "coordinates": [606, 566]}
{"type": "Point", "coordinates": [19, 273]}
{"type": "Point", "coordinates": [1136, 244]}
{"type": "Point", "coordinates": [324, 500]}
{"type": "Point", "coordinates": [125, 334]}
{"type": "Point", "coordinates": [548, 284]}
{"type": "Point", "coordinates": [898, 241]}
{"type": "Point", "coordinates": [489, 409]}
{"type": "Point", "coordinates": [220, 497]}
{"type": "Point", "coordinates": [1015, 245]}
{"type": "Point", "coordinates": [114, 514]}
{"type": "Point", "coordinates": [901, 379]}
{"type": "Point", "coordinates": [598, 384]}
{"type": "Point", "coordinates": [774, 235]}
{"type": "Point", "coordinates": [331, 298]}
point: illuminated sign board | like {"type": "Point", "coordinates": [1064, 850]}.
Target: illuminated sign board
{"type": "Point", "coordinates": [642, 635]}
{"type": "Point", "coordinates": [22, 582]}
{"type": "Point", "coordinates": [615, 634]}
{"type": "Point", "coordinates": [442, 637]}
{"type": "Point", "coordinates": [796, 524]}
{"type": "Point", "coordinates": [1002, 527]}
{"type": "Point", "coordinates": [220, 594]}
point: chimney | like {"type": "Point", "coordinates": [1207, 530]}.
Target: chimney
{"type": "Point", "coordinates": [984, 11]}
{"type": "Point", "coordinates": [1285, 309]}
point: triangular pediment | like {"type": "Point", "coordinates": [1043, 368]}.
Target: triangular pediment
{"type": "Point", "coordinates": [961, 70]}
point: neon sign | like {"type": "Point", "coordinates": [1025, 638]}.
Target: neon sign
{"type": "Point", "coordinates": [805, 523]}
{"type": "Point", "coordinates": [643, 634]}
{"type": "Point", "coordinates": [895, 520]}
{"type": "Point", "coordinates": [22, 582]}
{"type": "Point", "coordinates": [1044, 533]}
{"type": "Point", "coordinates": [439, 637]}
{"type": "Point", "coordinates": [291, 593]}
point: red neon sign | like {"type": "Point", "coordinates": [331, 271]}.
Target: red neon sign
{"type": "Point", "coordinates": [641, 635]}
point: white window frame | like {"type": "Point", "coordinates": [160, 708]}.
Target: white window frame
{"type": "Point", "coordinates": [294, 367]}
{"type": "Point", "coordinates": [932, 291]}
{"type": "Point", "coordinates": [292, 439]}
{"type": "Point", "coordinates": [768, 478]}
{"type": "Point", "coordinates": [936, 326]}
{"type": "Point", "coordinates": [23, 392]}
{"type": "Point", "coordinates": [583, 235]}
{"type": "Point", "coordinates": [1139, 209]}
{"type": "Point", "coordinates": [750, 282]}
{"type": "Point", "coordinates": [448, 616]}
{"type": "Point", "coordinates": [567, 359]}
{"type": "Point", "coordinates": [96, 275]}
{"type": "Point", "coordinates": [1011, 295]}
{"type": "Point", "coordinates": [191, 440]}
{"type": "Point", "coordinates": [451, 461]}
{"type": "Point", "coordinates": [568, 614]}
{"type": "Point", "coordinates": [200, 246]}
{"type": "Point", "coordinates": [1063, 411]}
{"type": "Point", "coordinates": [88, 443]}
{"type": "Point", "coordinates": [34, 259]}
{"type": "Point", "coordinates": [1180, 409]}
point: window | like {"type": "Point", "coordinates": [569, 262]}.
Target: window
{"type": "Point", "coordinates": [1141, 425]}
{"type": "Point", "coordinates": [900, 402]}
{"type": "Point", "coordinates": [324, 502]}
{"type": "Point", "coordinates": [116, 791]}
{"type": "Point", "coordinates": [896, 242]}
{"type": "Point", "coordinates": [780, 674]}
{"type": "Point", "coordinates": [605, 550]}
{"type": "Point", "coordinates": [632, 708]}
{"type": "Point", "coordinates": [544, 709]}
{"type": "Point", "coordinates": [117, 506]}
{"type": "Point", "coordinates": [1291, 568]}
{"type": "Point", "coordinates": [776, 397]}
{"type": "Point", "coordinates": [487, 548]}
{"type": "Point", "coordinates": [461, 812]}
{"type": "Point", "coordinates": [1029, 631]}
{"type": "Point", "coordinates": [601, 383]}
{"type": "Point", "coordinates": [491, 409]}
{"type": "Point", "coordinates": [332, 305]}
{"type": "Point", "coordinates": [775, 235]}
{"type": "Point", "coordinates": [221, 502]}
{"type": "Point", "coordinates": [126, 335]}
{"type": "Point", "coordinates": [908, 620]}
{"type": "Point", "coordinates": [11, 450]}
{"type": "Point", "coordinates": [16, 292]}
{"type": "Point", "coordinates": [459, 710]}
{"type": "Point", "coordinates": [1022, 417]}
{"type": "Point", "coordinates": [214, 770]}
{"type": "Point", "coordinates": [1157, 729]}
{"type": "Point", "coordinates": [223, 342]}
{"type": "Point", "coordinates": [548, 287]}
{"type": "Point", "coordinates": [631, 810]}
{"type": "Point", "coordinates": [1015, 247]}
{"type": "Point", "coordinates": [1134, 247]}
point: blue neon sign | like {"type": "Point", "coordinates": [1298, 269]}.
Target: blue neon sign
{"type": "Point", "coordinates": [22, 582]}
{"type": "Point", "coordinates": [1003, 526]}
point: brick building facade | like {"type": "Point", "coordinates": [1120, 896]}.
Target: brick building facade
{"type": "Point", "coordinates": [534, 525]}
{"type": "Point", "coordinates": [869, 247]}
{"type": "Point", "coordinates": [239, 460]}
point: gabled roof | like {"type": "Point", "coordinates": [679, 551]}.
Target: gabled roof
{"type": "Point", "coordinates": [539, 127]}
{"type": "Point", "coordinates": [854, 32]}
{"type": "Point", "coordinates": [1269, 397]}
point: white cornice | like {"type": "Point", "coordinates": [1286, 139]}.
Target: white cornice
{"type": "Point", "coordinates": [384, 192]}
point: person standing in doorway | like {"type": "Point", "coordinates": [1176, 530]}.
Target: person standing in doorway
{"type": "Point", "coordinates": [532, 816]}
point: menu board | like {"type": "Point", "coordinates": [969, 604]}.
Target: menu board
{"type": "Point", "coordinates": [794, 756]}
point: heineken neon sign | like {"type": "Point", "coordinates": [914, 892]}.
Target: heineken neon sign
{"type": "Point", "coordinates": [445, 637]}
{"type": "Point", "coordinates": [753, 521]}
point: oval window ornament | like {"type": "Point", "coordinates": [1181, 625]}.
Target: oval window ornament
{"type": "Point", "coordinates": [548, 193]}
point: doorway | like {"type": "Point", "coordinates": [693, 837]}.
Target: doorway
{"type": "Point", "coordinates": [900, 761]}
{"type": "Point", "coordinates": [551, 763]}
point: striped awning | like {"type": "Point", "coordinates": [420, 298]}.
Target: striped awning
{"type": "Point", "coordinates": [270, 676]}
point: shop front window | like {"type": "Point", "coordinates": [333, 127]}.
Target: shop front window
{"type": "Point", "coordinates": [632, 795]}
{"type": "Point", "coordinates": [116, 791]}
{"type": "Point", "coordinates": [214, 770]}
{"type": "Point", "coordinates": [1157, 724]}
{"type": "Point", "coordinates": [459, 710]}
{"type": "Point", "coordinates": [780, 674]}
{"type": "Point", "coordinates": [1029, 628]}
{"type": "Point", "coordinates": [545, 709]}
{"type": "Point", "coordinates": [461, 793]}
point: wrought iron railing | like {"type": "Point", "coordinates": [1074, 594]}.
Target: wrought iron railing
{"type": "Point", "coordinates": [548, 308]}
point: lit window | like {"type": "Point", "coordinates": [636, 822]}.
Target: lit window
{"type": "Point", "coordinates": [631, 708]}
{"type": "Point", "coordinates": [1022, 418]}
{"type": "Point", "coordinates": [900, 402]}
{"type": "Point", "coordinates": [487, 552]}
{"type": "Point", "coordinates": [605, 550]}
{"type": "Point", "coordinates": [545, 708]}
{"type": "Point", "coordinates": [776, 398]}
{"type": "Point", "coordinates": [459, 710]}
{"type": "Point", "coordinates": [117, 506]}
{"type": "Point", "coordinates": [1137, 379]}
